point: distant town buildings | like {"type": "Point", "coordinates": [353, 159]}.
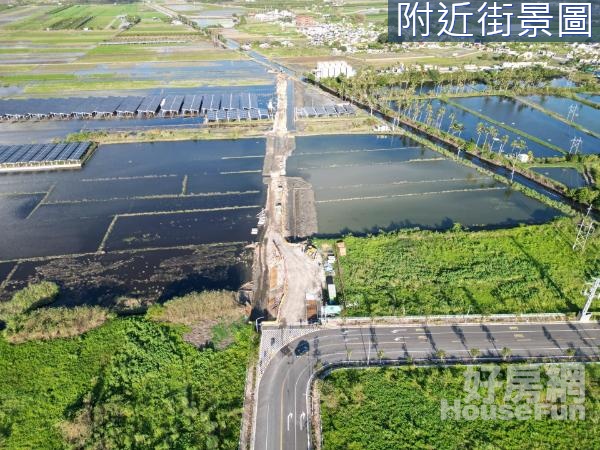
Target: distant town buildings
{"type": "Point", "coordinates": [345, 36]}
{"type": "Point", "coordinates": [303, 21]}
{"type": "Point", "coordinates": [275, 16]}
{"type": "Point", "coordinates": [331, 69]}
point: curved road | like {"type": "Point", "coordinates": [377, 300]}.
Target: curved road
{"type": "Point", "coordinates": [282, 410]}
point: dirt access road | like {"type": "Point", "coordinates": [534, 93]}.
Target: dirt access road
{"type": "Point", "coordinates": [286, 273]}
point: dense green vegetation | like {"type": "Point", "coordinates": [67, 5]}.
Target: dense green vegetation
{"type": "Point", "coordinates": [130, 383]}
{"type": "Point", "coordinates": [519, 270]}
{"type": "Point", "coordinates": [381, 409]}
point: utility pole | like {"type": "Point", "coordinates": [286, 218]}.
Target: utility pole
{"type": "Point", "coordinates": [575, 146]}
{"type": "Point", "coordinates": [592, 293]}
{"type": "Point", "coordinates": [573, 109]}
{"type": "Point", "coordinates": [585, 230]}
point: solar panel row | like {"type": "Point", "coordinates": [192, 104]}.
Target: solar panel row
{"type": "Point", "coordinates": [42, 153]}
{"type": "Point", "coordinates": [236, 114]}
{"type": "Point", "coordinates": [170, 105]}
{"type": "Point", "coordinates": [325, 111]}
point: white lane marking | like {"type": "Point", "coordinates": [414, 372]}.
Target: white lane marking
{"type": "Point", "coordinates": [267, 433]}
{"type": "Point", "coordinates": [290, 415]}
{"type": "Point", "coordinates": [302, 419]}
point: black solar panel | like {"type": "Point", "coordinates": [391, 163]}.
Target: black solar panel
{"type": "Point", "coordinates": [110, 105]}
{"type": "Point", "coordinates": [51, 156]}
{"type": "Point", "coordinates": [225, 101]}
{"type": "Point", "coordinates": [81, 149]}
{"type": "Point", "coordinates": [245, 101]}
{"type": "Point", "coordinates": [66, 151]}
{"type": "Point", "coordinates": [192, 104]}
{"type": "Point", "coordinates": [39, 156]}
{"type": "Point", "coordinates": [82, 106]}
{"type": "Point", "coordinates": [172, 104]}
{"type": "Point", "coordinates": [232, 114]}
{"type": "Point", "coordinates": [253, 101]}
{"type": "Point", "coordinates": [150, 105]}
{"type": "Point", "coordinates": [7, 152]}
{"type": "Point", "coordinates": [24, 153]}
{"type": "Point", "coordinates": [129, 105]}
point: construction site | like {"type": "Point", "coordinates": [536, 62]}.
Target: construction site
{"type": "Point", "coordinates": [288, 275]}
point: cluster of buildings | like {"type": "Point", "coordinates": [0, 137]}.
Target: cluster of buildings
{"type": "Point", "coordinates": [332, 69]}
{"type": "Point", "coordinates": [275, 15]}
{"type": "Point", "coordinates": [347, 36]}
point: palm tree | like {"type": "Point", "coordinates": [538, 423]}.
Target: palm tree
{"type": "Point", "coordinates": [480, 131]}
{"type": "Point", "coordinates": [440, 116]}
{"type": "Point", "coordinates": [519, 145]}
{"type": "Point", "coordinates": [429, 115]}
{"type": "Point", "coordinates": [457, 127]}
{"type": "Point", "coordinates": [494, 135]}
{"type": "Point", "coordinates": [503, 142]}
{"type": "Point", "coordinates": [452, 116]}
{"type": "Point", "coordinates": [486, 131]}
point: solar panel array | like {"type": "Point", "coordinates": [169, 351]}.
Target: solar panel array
{"type": "Point", "coordinates": [244, 106]}
{"type": "Point", "coordinates": [326, 111]}
{"type": "Point", "coordinates": [43, 154]}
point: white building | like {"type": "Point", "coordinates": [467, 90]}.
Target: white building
{"type": "Point", "coordinates": [332, 69]}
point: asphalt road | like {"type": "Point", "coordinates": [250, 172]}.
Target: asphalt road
{"type": "Point", "coordinates": [282, 410]}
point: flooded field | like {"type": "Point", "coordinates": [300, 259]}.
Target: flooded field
{"type": "Point", "coordinates": [586, 116]}
{"type": "Point", "coordinates": [531, 121]}
{"type": "Point", "coordinates": [470, 122]}
{"type": "Point", "coordinates": [365, 183]}
{"type": "Point", "coordinates": [208, 70]}
{"type": "Point", "coordinates": [591, 97]}
{"type": "Point", "coordinates": [35, 132]}
{"type": "Point", "coordinates": [570, 177]}
{"type": "Point", "coordinates": [173, 214]}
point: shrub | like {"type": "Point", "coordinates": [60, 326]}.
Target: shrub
{"type": "Point", "coordinates": [32, 297]}
{"type": "Point", "coordinates": [52, 323]}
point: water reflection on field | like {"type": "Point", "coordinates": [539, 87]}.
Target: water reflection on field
{"type": "Point", "coordinates": [530, 120]}
{"type": "Point", "coordinates": [568, 176]}
{"type": "Point", "coordinates": [365, 183]}
{"type": "Point", "coordinates": [170, 213]}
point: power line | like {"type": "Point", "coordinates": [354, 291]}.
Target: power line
{"type": "Point", "coordinates": [592, 293]}
{"type": "Point", "coordinates": [575, 146]}
{"type": "Point", "coordinates": [585, 230]}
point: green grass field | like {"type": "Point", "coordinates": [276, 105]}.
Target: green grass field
{"type": "Point", "coordinates": [132, 383]}
{"type": "Point", "coordinates": [380, 409]}
{"type": "Point", "coordinates": [526, 269]}
{"type": "Point", "coordinates": [94, 17]}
